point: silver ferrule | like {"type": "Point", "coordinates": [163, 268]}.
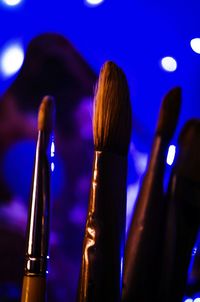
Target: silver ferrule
{"type": "Point", "coordinates": [36, 266]}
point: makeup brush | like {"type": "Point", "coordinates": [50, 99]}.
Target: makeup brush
{"type": "Point", "coordinates": [100, 278]}
{"type": "Point", "coordinates": [142, 251]}
{"type": "Point", "coordinates": [35, 270]}
{"type": "Point", "coordinates": [183, 214]}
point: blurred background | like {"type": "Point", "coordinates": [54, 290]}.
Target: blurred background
{"type": "Point", "coordinates": [158, 46]}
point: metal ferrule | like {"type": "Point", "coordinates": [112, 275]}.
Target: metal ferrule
{"type": "Point", "coordinates": [103, 246]}
{"type": "Point", "coordinates": [38, 221]}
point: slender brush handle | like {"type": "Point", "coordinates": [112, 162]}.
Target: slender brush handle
{"type": "Point", "coordinates": [142, 252]}
{"type": "Point", "coordinates": [34, 289]}
{"type": "Point", "coordinates": [100, 278]}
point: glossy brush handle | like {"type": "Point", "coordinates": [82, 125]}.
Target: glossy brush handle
{"type": "Point", "coordinates": [34, 289]}
{"type": "Point", "coordinates": [100, 279]}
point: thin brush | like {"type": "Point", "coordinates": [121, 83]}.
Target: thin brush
{"type": "Point", "coordinates": [183, 213]}
{"type": "Point", "coordinates": [142, 252]}
{"type": "Point", "coordinates": [34, 282]}
{"type": "Point", "coordinates": [100, 278]}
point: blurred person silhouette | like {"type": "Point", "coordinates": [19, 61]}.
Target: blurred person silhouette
{"type": "Point", "coordinates": [51, 67]}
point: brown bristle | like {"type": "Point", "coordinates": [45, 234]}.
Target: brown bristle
{"type": "Point", "coordinates": [169, 113]}
{"type": "Point", "coordinates": [46, 114]}
{"type": "Point", "coordinates": [188, 160]}
{"type": "Point", "coordinates": [112, 114]}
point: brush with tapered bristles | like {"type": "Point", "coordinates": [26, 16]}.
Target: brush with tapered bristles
{"type": "Point", "coordinates": [100, 278]}
{"type": "Point", "coordinates": [34, 282]}
{"type": "Point", "coordinates": [112, 114]}
{"type": "Point", "coordinates": [169, 113]}
{"type": "Point", "coordinates": [144, 241]}
{"type": "Point", "coordinates": [46, 115]}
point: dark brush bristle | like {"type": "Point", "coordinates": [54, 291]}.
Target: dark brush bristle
{"type": "Point", "coordinates": [188, 160]}
{"type": "Point", "coordinates": [169, 113]}
{"type": "Point", "coordinates": [112, 114]}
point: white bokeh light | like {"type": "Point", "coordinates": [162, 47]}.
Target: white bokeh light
{"type": "Point", "coordinates": [169, 64]}
{"type": "Point", "coordinates": [52, 149]}
{"type": "Point", "coordinates": [188, 300]}
{"type": "Point", "coordinates": [11, 59]}
{"type": "Point", "coordinates": [11, 2]}
{"type": "Point", "coordinates": [171, 154]}
{"type": "Point", "coordinates": [195, 45]}
{"type": "Point", "coordinates": [52, 166]}
{"type": "Point", "coordinates": [197, 299]}
{"type": "Point", "coordinates": [94, 2]}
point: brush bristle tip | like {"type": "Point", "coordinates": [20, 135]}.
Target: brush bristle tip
{"type": "Point", "coordinates": [169, 113]}
{"type": "Point", "coordinates": [112, 114]}
{"type": "Point", "coordinates": [46, 114]}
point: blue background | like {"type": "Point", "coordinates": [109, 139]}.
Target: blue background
{"type": "Point", "coordinates": [135, 34]}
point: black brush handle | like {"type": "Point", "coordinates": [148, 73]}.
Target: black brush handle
{"type": "Point", "coordinates": [144, 242]}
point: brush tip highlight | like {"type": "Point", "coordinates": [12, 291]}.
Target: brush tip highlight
{"type": "Point", "coordinates": [46, 114]}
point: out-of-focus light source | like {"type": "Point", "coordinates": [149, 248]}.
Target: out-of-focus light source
{"type": "Point", "coordinates": [52, 166]}
{"type": "Point", "coordinates": [52, 149]}
{"type": "Point", "coordinates": [194, 251]}
{"type": "Point", "coordinates": [93, 2]}
{"type": "Point", "coordinates": [195, 45]}
{"type": "Point", "coordinates": [12, 2]}
{"type": "Point", "coordinates": [188, 300]}
{"type": "Point", "coordinates": [169, 64]}
{"type": "Point", "coordinates": [171, 154]}
{"type": "Point", "coordinates": [197, 299]}
{"type": "Point", "coordinates": [11, 59]}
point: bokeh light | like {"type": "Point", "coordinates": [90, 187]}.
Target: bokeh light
{"type": "Point", "coordinates": [11, 59]}
{"type": "Point", "coordinates": [52, 166]}
{"type": "Point", "coordinates": [52, 149]}
{"type": "Point", "coordinates": [169, 64]}
{"type": "Point", "coordinates": [195, 45]}
{"type": "Point", "coordinates": [171, 154]}
{"type": "Point", "coordinates": [12, 2]}
{"type": "Point", "coordinates": [93, 2]}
